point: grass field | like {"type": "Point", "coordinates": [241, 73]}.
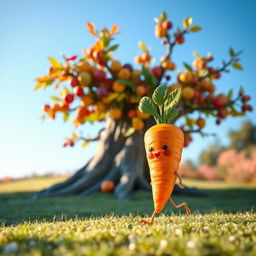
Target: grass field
{"type": "Point", "coordinates": [224, 223]}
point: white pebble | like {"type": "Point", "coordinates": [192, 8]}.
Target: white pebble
{"type": "Point", "coordinates": [191, 244]}
{"type": "Point", "coordinates": [163, 244]}
{"type": "Point", "coordinates": [132, 246]}
{"type": "Point", "coordinates": [178, 232]}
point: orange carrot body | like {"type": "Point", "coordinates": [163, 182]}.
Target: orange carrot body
{"type": "Point", "coordinates": [163, 144]}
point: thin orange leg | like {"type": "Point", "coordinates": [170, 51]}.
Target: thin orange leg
{"type": "Point", "coordinates": [151, 219]}
{"type": "Point", "coordinates": [180, 205]}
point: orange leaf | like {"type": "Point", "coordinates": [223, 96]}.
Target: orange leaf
{"type": "Point", "coordinates": [91, 29]}
{"type": "Point", "coordinates": [43, 79]}
{"type": "Point", "coordinates": [57, 86]}
{"type": "Point", "coordinates": [114, 29]}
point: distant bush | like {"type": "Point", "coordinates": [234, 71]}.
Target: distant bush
{"type": "Point", "coordinates": [238, 166]}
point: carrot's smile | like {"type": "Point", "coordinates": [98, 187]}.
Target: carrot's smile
{"type": "Point", "coordinates": [157, 155]}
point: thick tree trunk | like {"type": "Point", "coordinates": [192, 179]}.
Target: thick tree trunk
{"type": "Point", "coordinates": [119, 159]}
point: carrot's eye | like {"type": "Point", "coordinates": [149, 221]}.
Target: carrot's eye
{"type": "Point", "coordinates": [164, 147]}
{"type": "Point", "coordinates": [150, 149]}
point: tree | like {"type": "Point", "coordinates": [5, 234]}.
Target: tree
{"type": "Point", "coordinates": [97, 87]}
{"type": "Point", "coordinates": [210, 155]}
{"type": "Point", "coordinates": [244, 138]}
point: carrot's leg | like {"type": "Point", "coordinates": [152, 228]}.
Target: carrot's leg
{"type": "Point", "coordinates": [181, 185]}
{"type": "Point", "coordinates": [151, 219]}
{"type": "Point", "coordinates": [180, 205]}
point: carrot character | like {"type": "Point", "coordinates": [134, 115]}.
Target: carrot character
{"type": "Point", "coordinates": [163, 144]}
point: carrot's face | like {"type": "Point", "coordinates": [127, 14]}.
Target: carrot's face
{"type": "Point", "coordinates": [156, 151]}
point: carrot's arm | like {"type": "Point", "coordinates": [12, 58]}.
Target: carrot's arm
{"type": "Point", "coordinates": [181, 185]}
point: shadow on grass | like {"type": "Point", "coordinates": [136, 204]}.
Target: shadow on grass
{"type": "Point", "coordinates": [16, 208]}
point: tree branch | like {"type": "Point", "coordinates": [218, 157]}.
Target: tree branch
{"type": "Point", "coordinates": [200, 131]}
{"type": "Point", "coordinates": [110, 71]}
{"type": "Point", "coordinates": [223, 68]}
{"type": "Point", "coordinates": [169, 48]}
{"type": "Point", "coordinates": [96, 138]}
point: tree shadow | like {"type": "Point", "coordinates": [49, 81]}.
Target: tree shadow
{"type": "Point", "coordinates": [15, 208]}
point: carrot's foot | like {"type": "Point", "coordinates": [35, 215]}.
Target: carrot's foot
{"type": "Point", "coordinates": [188, 211]}
{"type": "Point", "coordinates": [145, 222]}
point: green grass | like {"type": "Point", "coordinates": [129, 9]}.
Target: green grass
{"type": "Point", "coordinates": [222, 224]}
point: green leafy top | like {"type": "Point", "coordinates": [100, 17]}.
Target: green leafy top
{"type": "Point", "coordinates": [162, 104]}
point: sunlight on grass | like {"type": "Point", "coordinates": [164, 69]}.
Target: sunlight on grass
{"type": "Point", "coordinates": [29, 184]}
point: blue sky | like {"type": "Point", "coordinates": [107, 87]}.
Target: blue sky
{"type": "Point", "coordinates": [32, 30]}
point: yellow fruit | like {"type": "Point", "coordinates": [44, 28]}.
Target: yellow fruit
{"type": "Point", "coordinates": [160, 32]}
{"type": "Point", "coordinates": [83, 66]}
{"type": "Point", "coordinates": [137, 123]}
{"type": "Point", "coordinates": [211, 88]}
{"type": "Point", "coordinates": [100, 107]}
{"type": "Point", "coordinates": [173, 87]}
{"type": "Point", "coordinates": [84, 78]}
{"type": "Point", "coordinates": [142, 115]}
{"type": "Point", "coordinates": [118, 87]}
{"type": "Point", "coordinates": [186, 77]}
{"type": "Point", "coordinates": [199, 63]}
{"type": "Point", "coordinates": [116, 66]}
{"type": "Point", "coordinates": [204, 85]}
{"type": "Point", "coordinates": [138, 59]}
{"type": "Point", "coordinates": [168, 65]}
{"type": "Point", "coordinates": [146, 57]}
{"type": "Point", "coordinates": [200, 122]}
{"type": "Point", "coordinates": [136, 72]}
{"type": "Point", "coordinates": [124, 73]}
{"type": "Point", "coordinates": [188, 93]}
{"type": "Point", "coordinates": [86, 101]}
{"type": "Point", "coordinates": [115, 113]}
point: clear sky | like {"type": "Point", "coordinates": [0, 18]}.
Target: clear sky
{"type": "Point", "coordinates": [32, 30]}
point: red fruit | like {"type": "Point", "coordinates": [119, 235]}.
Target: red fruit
{"type": "Point", "coordinates": [102, 91]}
{"type": "Point", "coordinates": [69, 98]}
{"type": "Point", "coordinates": [74, 82]}
{"type": "Point", "coordinates": [201, 99]}
{"type": "Point", "coordinates": [180, 40]}
{"type": "Point", "coordinates": [222, 113]}
{"type": "Point", "coordinates": [209, 58]}
{"type": "Point", "coordinates": [50, 70]}
{"type": "Point", "coordinates": [64, 106]}
{"type": "Point", "coordinates": [128, 66]}
{"type": "Point", "coordinates": [71, 143]}
{"type": "Point", "coordinates": [82, 112]}
{"type": "Point", "coordinates": [99, 75]}
{"type": "Point", "coordinates": [64, 144]}
{"type": "Point", "coordinates": [101, 62]}
{"type": "Point", "coordinates": [167, 25]}
{"type": "Point", "coordinates": [46, 108]}
{"type": "Point", "coordinates": [109, 83]}
{"type": "Point", "coordinates": [247, 108]}
{"type": "Point", "coordinates": [217, 75]}
{"type": "Point", "coordinates": [218, 121]}
{"type": "Point", "coordinates": [246, 98]}
{"type": "Point", "coordinates": [156, 71]}
{"type": "Point", "coordinates": [210, 70]}
{"type": "Point", "coordinates": [132, 113]}
{"type": "Point", "coordinates": [218, 102]}
{"type": "Point", "coordinates": [78, 91]}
